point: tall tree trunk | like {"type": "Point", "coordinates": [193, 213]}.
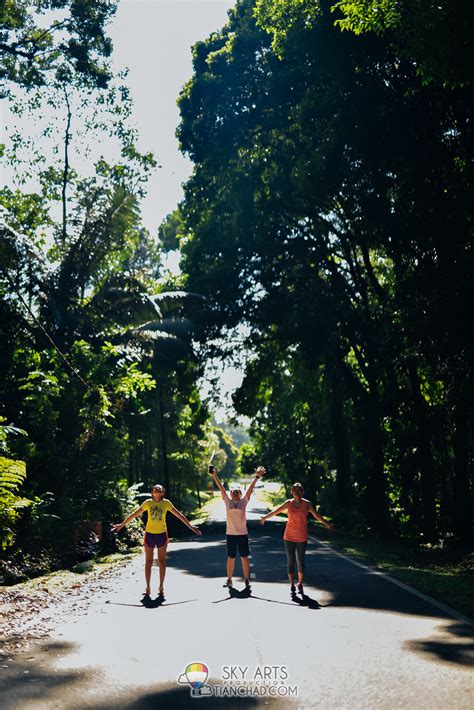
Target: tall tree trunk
{"type": "Point", "coordinates": [340, 434]}
{"type": "Point", "coordinates": [196, 480]}
{"type": "Point", "coordinates": [131, 456]}
{"type": "Point", "coordinates": [67, 138]}
{"type": "Point", "coordinates": [164, 451]}
{"type": "Point", "coordinates": [373, 446]}
{"type": "Point", "coordinates": [462, 490]}
{"type": "Point", "coordinates": [377, 498]}
{"type": "Point", "coordinates": [445, 479]}
{"type": "Point", "coordinates": [424, 456]}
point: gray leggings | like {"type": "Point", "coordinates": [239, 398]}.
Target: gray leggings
{"type": "Point", "coordinates": [295, 549]}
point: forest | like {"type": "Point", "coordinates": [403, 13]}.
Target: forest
{"type": "Point", "coordinates": [325, 241]}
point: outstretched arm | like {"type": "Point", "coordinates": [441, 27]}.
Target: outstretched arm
{"type": "Point", "coordinates": [259, 472]}
{"type": "Point", "coordinates": [128, 519]}
{"type": "Point", "coordinates": [217, 481]}
{"type": "Point", "coordinates": [184, 520]}
{"type": "Point", "coordinates": [275, 511]}
{"type": "Point", "coordinates": [319, 517]}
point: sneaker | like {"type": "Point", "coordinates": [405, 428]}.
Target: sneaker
{"type": "Point", "coordinates": [293, 589]}
{"type": "Point", "coordinates": [300, 588]}
{"type": "Point", "coordinates": [247, 584]}
{"type": "Point", "coordinates": [228, 584]}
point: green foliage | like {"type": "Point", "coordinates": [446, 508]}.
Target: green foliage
{"type": "Point", "coordinates": [12, 476]}
{"type": "Point", "coordinates": [436, 36]}
{"type": "Point", "coordinates": [247, 460]}
{"type": "Point", "coordinates": [280, 18]}
{"type": "Point", "coordinates": [97, 352]}
{"type": "Point", "coordinates": [368, 15]}
{"type": "Point", "coordinates": [328, 216]}
{"type": "Point", "coordinates": [171, 231]}
{"type": "Point", "coordinates": [62, 38]}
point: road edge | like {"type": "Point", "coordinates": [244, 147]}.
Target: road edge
{"type": "Point", "coordinates": [439, 605]}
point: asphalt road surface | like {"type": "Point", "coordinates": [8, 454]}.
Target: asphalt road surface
{"type": "Point", "coordinates": [355, 640]}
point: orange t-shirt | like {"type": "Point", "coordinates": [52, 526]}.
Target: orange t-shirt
{"type": "Point", "coordinates": [296, 529]}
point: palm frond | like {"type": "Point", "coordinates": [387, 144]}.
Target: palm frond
{"type": "Point", "coordinates": [21, 245]}
{"type": "Point", "coordinates": [180, 327]}
{"type": "Point", "coordinates": [176, 295]}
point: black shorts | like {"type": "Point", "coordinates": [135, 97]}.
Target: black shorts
{"type": "Point", "coordinates": [240, 542]}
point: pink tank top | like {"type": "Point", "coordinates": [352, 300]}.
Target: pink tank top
{"type": "Point", "coordinates": [296, 529]}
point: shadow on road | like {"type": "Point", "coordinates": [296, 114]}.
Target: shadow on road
{"type": "Point", "coordinates": [341, 583]}
{"type": "Point", "coordinates": [459, 653]}
{"type": "Point", "coordinates": [306, 601]}
{"type": "Point", "coordinates": [180, 699]}
{"type": "Point", "coordinates": [244, 593]}
{"type": "Point", "coordinates": [152, 603]}
{"type": "Point", "coordinates": [30, 677]}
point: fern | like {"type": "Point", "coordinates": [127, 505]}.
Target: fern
{"type": "Point", "coordinates": [12, 476]}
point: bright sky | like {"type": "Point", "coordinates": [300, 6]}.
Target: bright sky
{"type": "Point", "coordinates": [154, 39]}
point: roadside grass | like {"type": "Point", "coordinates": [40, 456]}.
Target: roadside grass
{"type": "Point", "coordinates": [61, 580]}
{"type": "Point", "coordinates": [199, 515]}
{"type": "Point", "coordinates": [446, 574]}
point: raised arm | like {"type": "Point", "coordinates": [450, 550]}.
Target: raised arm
{"type": "Point", "coordinates": [275, 511]}
{"type": "Point", "coordinates": [184, 520]}
{"type": "Point", "coordinates": [319, 517]}
{"type": "Point", "coordinates": [128, 519]}
{"type": "Point", "coordinates": [259, 472]}
{"type": "Point", "coordinates": [216, 480]}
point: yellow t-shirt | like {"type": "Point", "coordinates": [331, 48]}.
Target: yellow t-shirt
{"type": "Point", "coordinates": [156, 522]}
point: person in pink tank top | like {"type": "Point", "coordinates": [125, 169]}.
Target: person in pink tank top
{"type": "Point", "coordinates": [296, 531]}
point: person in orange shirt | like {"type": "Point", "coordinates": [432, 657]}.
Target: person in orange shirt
{"type": "Point", "coordinates": [156, 532]}
{"type": "Point", "coordinates": [296, 531]}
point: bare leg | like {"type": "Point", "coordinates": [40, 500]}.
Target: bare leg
{"type": "Point", "coordinates": [148, 565]}
{"type": "Point", "coordinates": [230, 567]}
{"type": "Point", "coordinates": [162, 564]}
{"type": "Point", "coordinates": [245, 567]}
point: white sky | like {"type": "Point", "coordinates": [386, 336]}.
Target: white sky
{"type": "Point", "coordinates": [154, 39]}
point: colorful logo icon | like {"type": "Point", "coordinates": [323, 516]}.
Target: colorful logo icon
{"type": "Point", "coordinates": [196, 675]}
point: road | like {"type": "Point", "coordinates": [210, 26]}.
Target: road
{"type": "Point", "coordinates": [355, 641]}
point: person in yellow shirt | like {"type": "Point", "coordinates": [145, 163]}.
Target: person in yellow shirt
{"type": "Point", "coordinates": [156, 533]}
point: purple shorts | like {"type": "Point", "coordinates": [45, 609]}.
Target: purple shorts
{"type": "Point", "coordinates": [155, 539]}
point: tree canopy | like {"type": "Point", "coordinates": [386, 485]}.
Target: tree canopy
{"type": "Point", "coordinates": [330, 212]}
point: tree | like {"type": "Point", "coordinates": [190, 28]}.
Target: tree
{"type": "Point", "coordinates": [60, 38]}
{"type": "Point", "coordinates": [327, 178]}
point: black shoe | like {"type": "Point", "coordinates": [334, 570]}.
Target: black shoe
{"type": "Point", "coordinates": [228, 584]}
